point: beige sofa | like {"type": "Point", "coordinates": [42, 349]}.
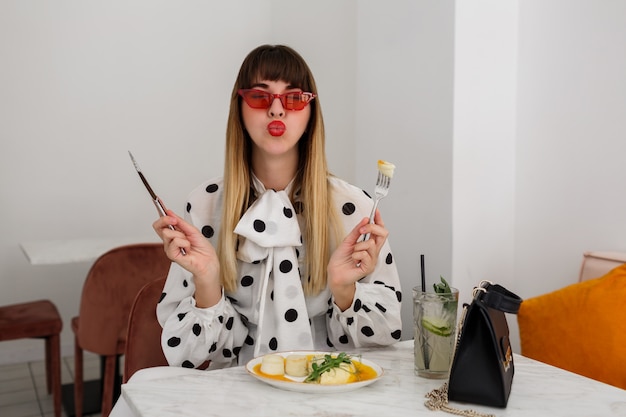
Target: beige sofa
{"type": "Point", "coordinates": [596, 264]}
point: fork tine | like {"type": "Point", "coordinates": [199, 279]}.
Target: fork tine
{"type": "Point", "coordinates": [380, 190]}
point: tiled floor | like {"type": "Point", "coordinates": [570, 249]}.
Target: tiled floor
{"type": "Point", "coordinates": [23, 386]}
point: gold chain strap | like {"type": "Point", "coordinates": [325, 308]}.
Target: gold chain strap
{"type": "Point", "coordinates": [437, 400]}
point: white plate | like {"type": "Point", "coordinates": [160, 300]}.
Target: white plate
{"type": "Point", "coordinates": [297, 384]}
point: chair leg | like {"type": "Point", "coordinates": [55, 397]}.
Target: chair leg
{"type": "Point", "coordinates": [78, 379]}
{"type": "Point", "coordinates": [53, 366]}
{"type": "Point", "coordinates": [108, 384]}
{"type": "Point", "coordinates": [48, 340]}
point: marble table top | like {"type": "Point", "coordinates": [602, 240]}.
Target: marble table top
{"type": "Point", "coordinates": [538, 390]}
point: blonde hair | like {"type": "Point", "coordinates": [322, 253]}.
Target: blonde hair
{"type": "Point", "coordinates": [279, 63]}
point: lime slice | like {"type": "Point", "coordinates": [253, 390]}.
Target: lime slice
{"type": "Point", "coordinates": [437, 326]}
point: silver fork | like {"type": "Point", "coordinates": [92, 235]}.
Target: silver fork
{"type": "Point", "coordinates": [382, 188]}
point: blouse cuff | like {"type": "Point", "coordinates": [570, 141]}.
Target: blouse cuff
{"type": "Point", "coordinates": [208, 313]}
{"type": "Point", "coordinates": [349, 312]}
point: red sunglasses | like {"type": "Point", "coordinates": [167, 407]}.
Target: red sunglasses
{"type": "Point", "coordinates": [259, 99]}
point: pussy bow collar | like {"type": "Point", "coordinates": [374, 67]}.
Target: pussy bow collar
{"type": "Point", "coordinates": [271, 235]}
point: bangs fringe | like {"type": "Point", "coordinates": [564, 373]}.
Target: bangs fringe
{"type": "Point", "coordinates": [275, 63]}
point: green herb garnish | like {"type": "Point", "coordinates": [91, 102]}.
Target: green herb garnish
{"type": "Point", "coordinates": [442, 287]}
{"type": "Point", "coordinates": [326, 365]}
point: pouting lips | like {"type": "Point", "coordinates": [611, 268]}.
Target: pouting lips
{"type": "Point", "coordinates": [276, 128]}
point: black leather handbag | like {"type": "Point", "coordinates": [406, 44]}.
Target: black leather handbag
{"type": "Point", "coordinates": [482, 368]}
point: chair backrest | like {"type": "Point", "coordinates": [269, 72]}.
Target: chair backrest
{"type": "Point", "coordinates": [143, 340]}
{"type": "Point", "coordinates": [596, 264]}
{"type": "Point", "coordinates": [109, 290]}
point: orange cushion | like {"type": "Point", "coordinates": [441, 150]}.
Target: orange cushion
{"type": "Point", "coordinates": [580, 328]}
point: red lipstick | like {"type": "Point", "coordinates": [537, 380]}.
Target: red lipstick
{"type": "Point", "coordinates": [276, 128]}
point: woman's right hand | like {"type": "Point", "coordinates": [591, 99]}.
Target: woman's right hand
{"type": "Point", "coordinates": [200, 257]}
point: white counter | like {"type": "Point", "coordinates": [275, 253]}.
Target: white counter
{"type": "Point", "coordinates": [65, 251]}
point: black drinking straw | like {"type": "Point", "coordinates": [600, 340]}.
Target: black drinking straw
{"type": "Point", "coordinates": [423, 273]}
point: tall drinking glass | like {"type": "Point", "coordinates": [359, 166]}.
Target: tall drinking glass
{"type": "Point", "coordinates": [434, 316]}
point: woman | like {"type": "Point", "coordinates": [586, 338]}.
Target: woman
{"type": "Point", "coordinates": [268, 258]}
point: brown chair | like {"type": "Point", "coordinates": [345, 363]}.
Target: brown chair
{"type": "Point", "coordinates": [143, 340]}
{"type": "Point", "coordinates": [108, 294]}
{"type": "Point", "coordinates": [37, 319]}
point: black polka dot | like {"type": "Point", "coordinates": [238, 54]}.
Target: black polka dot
{"type": "Point", "coordinates": [181, 316]}
{"type": "Point", "coordinates": [237, 350]}
{"type": "Point", "coordinates": [229, 323]}
{"type": "Point", "coordinates": [188, 364]}
{"type": "Point", "coordinates": [343, 339]}
{"type": "Point", "coordinates": [357, 305]}
{"type": "Point", "coordinates": [330, 313]}
{"type": "Point", "coordinates": [397, 334]}
{"type": "Point", "coordinates": [389, 259]}
{"type": "Point", "coordinates": [285, 266]}
{"type": "Point", "coordinates": [399, 296]}
{"type": "Point", "coordinates": [162, 297]}
{"type": "Point", "coordinates": [197, 329]}
{"type": "Point", "coordinates": [211, 188]}
{"type": "Point", "coordinates": [207, 231]}
{"type": "Point", "coordinates": [213, 348]}
{"type": "Point", "coordinates": [287, 212]}
{"type": "Point", "coordinates": [188, 207]}
{"type": "Point", "coordinates": [259, 226]}
{"type": "Point", "coordinates": [366, 308]}
{"type": "Point", "coordinates": [348, 209]}
{"type": "Point", "coordinates": [273, 343]}
{"type": "Point", "coordinates": [329, 343]}
{"type": "Point", "coordinates": [221, 318]}
{"type": "Point", "coordinates": [365, 192]}
{"type": "Point", "coordinates": [249, 340]}
{"type": "Point", "coordinates": [291, 315]}
{"type": "Point", "coordinates": [247, 281]}
{"type": "Point", "coordinates": [173, 341]}
{"type": "Point", "coordinates": [185, 283]}
{"type": "Point", "coordinates": [380, 307]}
{"type": "Point", "coordinates": [367, 331]}
{"type": "Point", "coordinates": [227, 353]}
{"type": "Point", "coordinates": [349, 321]}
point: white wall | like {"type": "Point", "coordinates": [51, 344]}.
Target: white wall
{"type": "Point", "coordinates": [404, 115]}
{"type": "Point", "coordinates": [484, 144]}
{"type": "Point", "coordinates": [540, 99]}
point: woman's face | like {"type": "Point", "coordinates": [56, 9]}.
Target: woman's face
{"type": "Point", "coordinates": [275, 131]}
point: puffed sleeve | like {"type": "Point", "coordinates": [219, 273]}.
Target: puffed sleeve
{"type": "Point", "coordinates": [191, 335]}
{"type": "Point", "coordinates": [374, 318]}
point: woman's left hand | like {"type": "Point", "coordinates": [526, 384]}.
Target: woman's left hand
{"type": "Point", "coordinates": [354, 259]}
